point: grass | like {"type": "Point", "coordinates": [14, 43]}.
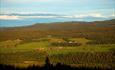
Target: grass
{"type": "Point", "coordinates": [35, 52]}
{"type": "Point", "coordinates": [89, 48]}
{"type": "Point", "coordinates": [83, 41]}
{"type": "Point", "coordinates": [44, 46]}
{"type": "Point", "coordinates": [24, 47]}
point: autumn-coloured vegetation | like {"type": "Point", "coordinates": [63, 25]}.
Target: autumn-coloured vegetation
{"type": "Point", "coordinates": [78, 44]}
{"type": "Point", "coordinates": [101, 32]}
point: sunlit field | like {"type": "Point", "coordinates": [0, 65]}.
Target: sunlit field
{"type": "Point", "coordinates": [35, 53]}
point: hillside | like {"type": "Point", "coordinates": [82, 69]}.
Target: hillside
{"type": "Point", "coordinates": [98, 31]}
{"type": "Point", "coordinates": [77, 44]}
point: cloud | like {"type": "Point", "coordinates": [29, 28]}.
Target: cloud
{"type": "Point", "coordinates": [26, 17]}
{"type": "Point", "coordinates": [18, 17]}
{"type": "Point", "coordinates": [45, 15]}
{"type": "Point", "coordinates": [24, 1]}
{"type": "Point", "coordinates": [113, 15]}
{"type": "Point", "coordinates": [6, 17]}
{"type": "Point", "coordinates": [40, 12]}
{"type": "Point", "coordinates": [98, 15]}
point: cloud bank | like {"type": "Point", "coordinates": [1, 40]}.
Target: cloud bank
{"type": "Point", "coordinates": [44, 15]}
{"type": "Point", "coordinates": [6, 17]}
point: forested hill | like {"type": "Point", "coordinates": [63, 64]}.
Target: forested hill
{"type": "Point", "coordinates": [98, 30]}
{"type": "Point", "coordinates": [64, 25]}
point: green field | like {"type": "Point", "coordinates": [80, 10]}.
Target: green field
{"type": "Point", "coordinates": [44, 46]}
{"type": "Point", "coordinates": [35, 52]}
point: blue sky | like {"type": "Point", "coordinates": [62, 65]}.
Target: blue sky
{"type": "Point", "coordinates": [66, 8]}
{"type": "Point", "coordinates": [58, 6]}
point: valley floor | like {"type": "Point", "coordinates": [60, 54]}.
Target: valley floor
{"type": "Point", "coordinates": [31, 53]}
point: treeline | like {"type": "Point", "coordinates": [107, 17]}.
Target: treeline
{"type": "Point", "coordinates": [58, 66]}
{"type": "Point", "coordinates": [65, 44]}
{"type": "Point", "coordinates": [49, 66]}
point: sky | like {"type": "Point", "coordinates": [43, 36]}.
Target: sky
{"type": "Point", "coordinates": [58, 6]}
{"type": "Point", "coordinates": [65, 8]}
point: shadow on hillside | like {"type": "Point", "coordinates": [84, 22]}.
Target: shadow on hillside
{"type": "Point", "coordinates": [48, 66]}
